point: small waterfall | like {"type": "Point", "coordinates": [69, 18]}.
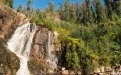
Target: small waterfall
{"type": "Point", "coordinates": [52, 57]}
{"type": "Point", "coordinates": [20, 44]}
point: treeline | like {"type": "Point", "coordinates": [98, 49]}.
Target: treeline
{"type": "Point", "coordinates": [90, 32]}
{"type": "Point", "coordinates": [90, 12]}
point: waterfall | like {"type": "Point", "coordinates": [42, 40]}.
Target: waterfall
{"type": "Point", "coordinates": [20, 44]}
{"type": "Point", "coordinates": [52, 57]}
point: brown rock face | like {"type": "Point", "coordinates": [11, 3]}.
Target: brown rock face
{"type": "Point", "coordinates": [9, 20]}
{"type": "Point", "coordinates": [43, 57]}
{"type": "Point", "coordinates": [44, 52]}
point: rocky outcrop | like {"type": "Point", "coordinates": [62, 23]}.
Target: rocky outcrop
{"type": "Point", "coordinates": [44, 52]}
{"type": "Point", "coordinates": [9, 21]}
{"type": "Point", "coordinates": [43, 57]}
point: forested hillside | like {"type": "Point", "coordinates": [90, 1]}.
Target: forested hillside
{"type": "Point", "coordinates": [89, 32]}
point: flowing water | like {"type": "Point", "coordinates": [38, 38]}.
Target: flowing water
{"type": "Point", "coordinates": [21, 43]}
{"type": "Point", "coordinates": [51, 52]}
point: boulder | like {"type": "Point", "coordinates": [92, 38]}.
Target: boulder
{"type": "Point", "coordinates": [79, 73]}
{"type": "Point", "coordinates": [63, 68]}
{"type": "Point", "coordinates": [72, 72]}
{"type": "Point", "coordinates": [65, 72]}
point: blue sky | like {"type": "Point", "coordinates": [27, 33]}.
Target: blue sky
{"type": "Point", "coordinates": [42, 3]}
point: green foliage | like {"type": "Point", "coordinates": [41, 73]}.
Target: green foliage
{"type": "Point", "coordinates": [72, 60]}
{"type": "Point", "coordinates": [51, 7]}
{"type": "Point", "coordinates": [8, 2]}
{"type": "Point", "coordinates": [19, 8]}
{"type": "Point", "coordinates": [100, 11]}
{"type": "Point", "coordinates": [117, 7]}
{"type": "Point", "coordinates": [90, 32]}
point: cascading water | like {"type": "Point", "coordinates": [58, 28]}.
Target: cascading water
{"type": "Point", "coordinates": [20, 44]}
{"type": "Point", "coordinates": [51, 52]}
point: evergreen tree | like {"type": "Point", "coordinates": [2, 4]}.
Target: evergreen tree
{"type": "Point", "coordinates": [24, 11]}
{"type": "Point", "coordinates": [28, 8]}
{"type": "Point", "coordinates": [46, 9]}
{"type": "Point", "coordinates": [51, 7]}
{"type": "Point", "coordinates": [61, 11]}
{"type": "Point", "coordinates": [66, 11]}
{"type": "Point", "coordinates": [117, 7]}
{"type": "Point", "coordinates": [87, 13]}
{"type": "Point", "coordinates": [77, 9]}
{"type": "Point", "coordinates": [100, 11]}
{"type": "Point", "coordinates": [32, 12]}
{"type": "Point", "coordinates": [72, 13]}
{"type": "Point", "coordinates": [109, 11]}
{"type": "Point", "coordinates": [38, 11]}
{"type": "Point", "coordinates": [10, 3]}
{"type": "Point", "coordinates": [19, 9]}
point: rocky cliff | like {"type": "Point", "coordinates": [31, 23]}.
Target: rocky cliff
{"type": "Point", "coordinates": [44, 53]}
{"type": "Point", "coordinates": [9, 21]}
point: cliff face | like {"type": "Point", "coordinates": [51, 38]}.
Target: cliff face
{"type": "Point", "coordinates": [9, 21]}
{"type": "Point", "coordinates": [43, 56]}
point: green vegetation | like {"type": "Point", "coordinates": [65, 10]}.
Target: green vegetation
{"type": "Point", "coordinates": [8, 2]}
{"type": "Point", "coordinates": [91, 32]}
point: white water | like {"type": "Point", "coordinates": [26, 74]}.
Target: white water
{"type": "Point", "coordinates": [20, 44]}
{"type": "Point", "coordinates": [51, 52]}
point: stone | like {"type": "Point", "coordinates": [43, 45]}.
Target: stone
{"type": "Point", "coordinates": [36, 49]}
{"type": "Point", "coordinates": [63, 68]}
{"type": "Point", "coordinates": [97, 70]}
{"type": "Point", "coordinates": [41, 37]}
{"type": "Point", "coordinates": [108, 69]}
{"type": "Point", "coordinates": [101, 73]}
{"type": "Point", "coordinates": [50, 71]}
{"type": "Point", "coordinates": [66, 72]}
{"type": "Point", "coordinates": [102, 69]}
{"type": "Point", "coordinates": [79, 73]}
{"type": "Point", "coordinates": [72, 72]}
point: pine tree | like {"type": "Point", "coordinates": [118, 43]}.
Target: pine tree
{"type": "Point", "coordinates": [46, 9]}
{"type": "Point", "coordinates": [24, 11]}
{"type": "Point", "coordinates": [51, 7]}
{"type": "Point", "coordinates": [87, 13]}
{"type": "Point", "coordinates": [100, 11]}
{"type": "Point", "coordinates": [72, 13]}
{"type": "Point", "coordinates": [10, 3]}
{"type": "Point", "coordinates": [66, 11]}
{"type": "Point", "coordinates": [61, 11]}
{"type": "Point", "coordinates": [19, 9]}
{"type": "Point", "coordinates": [117, 7]}
{"type": "Point", "coordinates": [28, 8]}
{"type": "Point", "coordinates": [109, 11]}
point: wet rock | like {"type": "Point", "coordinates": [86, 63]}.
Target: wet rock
{"type": "Point", "coordinates": [44, 51]}
{"type": "Point", "coordinates": [41, 36]}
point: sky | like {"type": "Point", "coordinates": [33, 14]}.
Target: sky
{"type": "Point", "coordinates": [41, 4]}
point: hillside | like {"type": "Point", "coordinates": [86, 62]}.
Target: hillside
{"type": "Point", "coordinates": [79, 37]}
